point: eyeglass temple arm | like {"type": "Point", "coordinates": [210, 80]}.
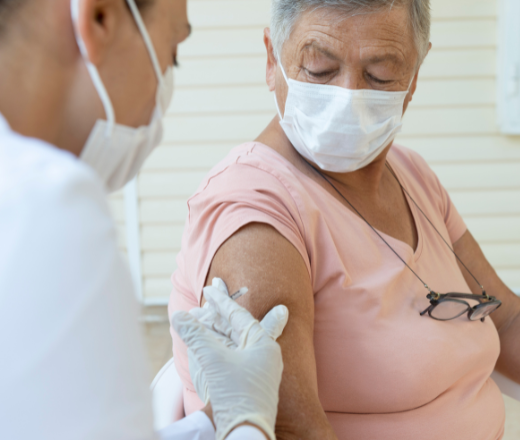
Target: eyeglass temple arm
{"type": "Point", "coordinates": [426, 310]}
{"type": "Point", "coordinates": [465, 295]}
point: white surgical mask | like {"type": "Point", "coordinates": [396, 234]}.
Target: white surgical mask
{"type": "Point", "coordinates": [338, 129]}
{"type": "Point", "coordinates": [116, 151]}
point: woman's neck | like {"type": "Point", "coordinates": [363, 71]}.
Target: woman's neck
{"type": "Point", "coordinates": [366, 181]}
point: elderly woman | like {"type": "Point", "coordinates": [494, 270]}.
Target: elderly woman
{"type": "Point", "coordinates": [357, 237]}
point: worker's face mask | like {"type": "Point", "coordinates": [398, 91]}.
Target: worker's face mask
{"type": "Point", "coordinates": [115, 151]}
{"type": "Point", "coordinates": [338, 129]}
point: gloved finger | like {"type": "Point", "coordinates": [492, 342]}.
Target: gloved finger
{"type": "Point", "coordinates": [240, 319]}
{"type": "Point", "coordinates": [212, 320]}
{"type": "Point", "coordinates": [199, 313]}
{"type": "Point", "coordinates": [201, 341]}
{"type": "Point", "coordinates": [220, 285]}
{"type": "Point", "coordinates": [198, 378]}
{"type": "Point", "coordinates": [275, 321]}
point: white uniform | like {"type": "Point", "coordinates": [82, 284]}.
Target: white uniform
{"type": "Point", "coordinates": [73, 365]}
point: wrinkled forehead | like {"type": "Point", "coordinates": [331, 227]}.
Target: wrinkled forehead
{"type": "Point", "coordinates": [363, 36]}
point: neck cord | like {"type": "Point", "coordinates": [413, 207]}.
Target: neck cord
{"type": "Point", "coordinates": [436, 230]}
{"type": "Point", "coordinates": [386, 242]}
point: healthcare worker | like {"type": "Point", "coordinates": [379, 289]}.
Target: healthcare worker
{"type": "Point", "coordinates": [83, 88]}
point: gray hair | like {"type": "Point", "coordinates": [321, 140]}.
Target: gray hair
{"type": "Point", "coordinates": [285, 14]}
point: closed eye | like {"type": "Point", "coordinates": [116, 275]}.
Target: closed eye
{"type": "Point", "coordinates": [377, 80]}
{"type": "Point", "coordinates": [320, 74]}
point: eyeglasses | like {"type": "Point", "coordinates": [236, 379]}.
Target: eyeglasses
{"type": "Point", "coordinates": [446, 306]}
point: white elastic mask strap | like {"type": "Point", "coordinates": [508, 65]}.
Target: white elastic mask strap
{"type": "Point", "coordinates": [283, 72]}
{"type": "Point", "coordinates": [147, 40]}
{"type": "Point", "coordinates": [93, 72]}
{"type": "Point", "coordinates": [287, 81]}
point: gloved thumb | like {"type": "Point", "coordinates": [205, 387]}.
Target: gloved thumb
{"type": "Point", "coordinates": [219, 284]}
{"type": "Point", "coordinates": [275, 321]}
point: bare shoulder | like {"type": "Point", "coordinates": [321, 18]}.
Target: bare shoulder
{"type": "Point", "coordinates": [260, 258]}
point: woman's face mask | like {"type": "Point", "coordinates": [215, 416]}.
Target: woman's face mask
{"type": "Point", "coordinates": [116, 151]}
{"type": "Point", "coordinates": [338, 129]}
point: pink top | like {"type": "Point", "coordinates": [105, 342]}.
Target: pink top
{"type": "Point", "coordinates": [384, 371]}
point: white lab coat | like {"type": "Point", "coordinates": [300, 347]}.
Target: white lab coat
{"type": "Point", "coordinates": [73, 364]}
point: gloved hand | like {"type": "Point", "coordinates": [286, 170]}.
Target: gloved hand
{"type": "Point", "coordinates": [243, 383]}
{"type": "Point", "coordinates": [273, 323]}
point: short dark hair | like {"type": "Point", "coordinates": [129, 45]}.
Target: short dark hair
{"type": "Point", "coordinates": [6, 7]}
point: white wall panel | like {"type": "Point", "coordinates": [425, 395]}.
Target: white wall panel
{"type": "Point", "coordinates": [491, 148]}
{"type": "Point", "coordinates": [214, 42]}
{"type": "Point", "coordinates": [156, 237]}
{"type": "Point", "coordinates": [479, 176]}
{"type": "Point", "coordinates": [157, 289]}
{"type": "Point", "coordinates": [488, 203]}
{"type": "Point", "coordinates": [159, 264]}
{"type": "Point", "coordinates": [505, 230]}
{"type": "Point", "coordinates": [205, 128]}
{"type": "Point", "coordinates": [229, 13]}
{"type": "Point", "coordinates": [165, 210]}
{"type": "Point", "coordinates": [467, 34]}
{"type": "Point", "coordinates": [181, 157]}
{"type": "Point", "coordinates": [463, 9]}
{"type": "Point", "coordinates": [223, 99]}
{"type": "Point", "coordinates": [178, 184]}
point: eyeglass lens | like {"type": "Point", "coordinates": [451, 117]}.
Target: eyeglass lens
{"type": "Point", "coordinates": [483, 310]}
{"type": "Point", "coordinates": [449, 309]}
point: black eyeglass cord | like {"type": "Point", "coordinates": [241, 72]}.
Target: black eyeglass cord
{"type": "Point", "coordinates": [381, 237]}
{"type": "Point", "coordinates": [436, 230]}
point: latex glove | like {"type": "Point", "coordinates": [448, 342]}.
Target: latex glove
{"type": "Point", "coordinates": [243, 383]}
{"type": "Point", "coordinates": [273, 323]}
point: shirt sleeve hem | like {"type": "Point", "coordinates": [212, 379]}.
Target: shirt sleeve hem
{"type": "Point", "coordinates": [233, 227]}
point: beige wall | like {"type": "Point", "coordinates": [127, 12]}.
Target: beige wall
{"type": "Point", "coordinates": [221, 100]}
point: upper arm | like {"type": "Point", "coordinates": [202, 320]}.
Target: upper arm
{"type": "Point", "coordinates": [507, 317]}
{"type": "Point", "coordinates": [258, 257]}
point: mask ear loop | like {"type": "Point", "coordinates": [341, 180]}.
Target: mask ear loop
{"type": "Point", "coordinates": [147, 40]}
{"type": "Point", "coordinates": [151, 49]}
{"type": "Point", "coordinates": [93, 72]}
{"type": "Point", "coordinates": [287, 81]}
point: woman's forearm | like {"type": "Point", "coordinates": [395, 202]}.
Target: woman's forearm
{"type": "Point", "coordinates": [509, 361]}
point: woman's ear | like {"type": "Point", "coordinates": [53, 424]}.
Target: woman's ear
{"type": "Point", "coordinates": [97, 25]}
{"type": "Point", "coordinates": [271, 60]}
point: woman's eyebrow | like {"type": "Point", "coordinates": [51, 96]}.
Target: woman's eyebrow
{"type": "Point", "coordinates": [314, 45]}
{"type": "Point", "coordinates": [383, 58]}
